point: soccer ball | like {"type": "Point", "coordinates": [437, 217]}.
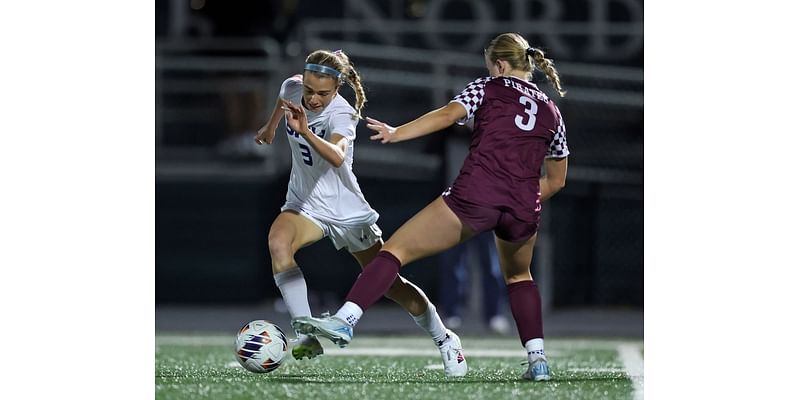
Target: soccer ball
{"type": "Point", "coordinates": [260, 346]}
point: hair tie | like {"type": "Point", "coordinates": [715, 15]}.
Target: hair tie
{"type": "Point", "coordinates": [531, 51]}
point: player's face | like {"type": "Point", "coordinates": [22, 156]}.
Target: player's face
{"type": "Point", "coordinates": [318, 91]}
{"type": "Point", "coordinates": [494, 70]}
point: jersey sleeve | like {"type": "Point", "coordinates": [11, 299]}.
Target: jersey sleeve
{"type": "Point", "coordinates": [344, 124]}
{"type": "Point", "coordinates": [471, 98]}
{"type": "Point", "coordinates": [291, 86]}
{"type": "Point", "coordinates": [558, 147]}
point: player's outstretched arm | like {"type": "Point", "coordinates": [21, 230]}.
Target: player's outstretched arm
{"type": "Point", "coordinates": [433, 121]}
{"type": "Point", "coordinates": [555, 177]}
{"type": "Point", "coordinates": [267, 132]}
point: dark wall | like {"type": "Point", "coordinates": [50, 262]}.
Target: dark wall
{"type": "Point", "coordinates": [211, 242]}
{"type": "Point", "coordinates": [598, 235]}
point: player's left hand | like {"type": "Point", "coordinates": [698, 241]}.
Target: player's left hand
{"type": "Point", "coordinates": [295, 116]}
{"type": "Point", "coordinates": [384, 132]}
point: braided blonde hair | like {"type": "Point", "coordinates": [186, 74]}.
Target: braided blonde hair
{"type": "Point", "coordinates": [514, 49]}
{"type": "Point", "coordinates": [339, 61]}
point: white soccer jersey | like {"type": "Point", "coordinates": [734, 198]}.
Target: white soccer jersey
{"type": "Point", "coordinates": [316, 187]}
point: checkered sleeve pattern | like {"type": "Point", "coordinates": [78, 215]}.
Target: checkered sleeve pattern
{"type": "Point", "coordinates": [471, 98]}
{"type": "Point", "coordinates": [558, 147]}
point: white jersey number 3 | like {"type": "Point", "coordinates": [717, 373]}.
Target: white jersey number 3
{"type": "Point", "coordinates": [530, 108]}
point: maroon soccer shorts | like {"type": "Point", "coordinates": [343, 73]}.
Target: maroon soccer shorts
{"type": "Point", "coordinates": [505, 225]}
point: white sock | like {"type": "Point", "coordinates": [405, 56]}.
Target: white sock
{"type": "Point", "coordinates": [350, 312]}
{"type": "Point", "coordinates": [293, 288]}
{"type": "Point", "coordinates": [431, 323]}
{"type": "Point", "coordinates": [535, 348]}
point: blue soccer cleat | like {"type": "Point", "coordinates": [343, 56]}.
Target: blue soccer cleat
{"type": "Point", "coordinates": [537, 371]}
{"type": "Point", "coordinates": [333, 328]}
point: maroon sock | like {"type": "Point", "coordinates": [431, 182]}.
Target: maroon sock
{"type": "Point", "coordinates": [526, 307]}
{"type": "Point", "coordinates": [375, 280]}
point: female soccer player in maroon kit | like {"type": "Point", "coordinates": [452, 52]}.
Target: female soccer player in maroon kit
{"type": "Point", "coordinates": [517, 131]}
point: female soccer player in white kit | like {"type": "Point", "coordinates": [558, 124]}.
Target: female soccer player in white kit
{"type": "Point", "coordinates": [324, 199]}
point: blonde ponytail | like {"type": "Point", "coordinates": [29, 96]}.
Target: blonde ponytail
{"type": "Point", "coordinates": [546, 65]}
{"type": "Point", "coordinates": [354, 79]}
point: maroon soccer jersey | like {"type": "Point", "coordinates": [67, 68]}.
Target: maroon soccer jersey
{"type": "Point", "coordinates": [516, 127]}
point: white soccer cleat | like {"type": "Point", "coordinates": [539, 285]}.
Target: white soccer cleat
{"type": "Point", "coordinates": [455, 365]}
{"type": "Point", "coordinates": [308, 347]}
{"type": "Point", "coordinates": [333, 328]}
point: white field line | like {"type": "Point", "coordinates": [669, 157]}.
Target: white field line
{"type": "Point", "coordinates": [634, 367]}
{"type": "Point", "coordinates": [175, 340]}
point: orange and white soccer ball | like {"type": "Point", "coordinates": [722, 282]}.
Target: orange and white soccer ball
{"type": "Point", "coordinates": [261, 346]}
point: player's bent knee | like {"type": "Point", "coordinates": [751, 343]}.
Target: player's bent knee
{"type": "Point", "coordinates": [281, 253]}
{"type": "Point", "coordinates": [279, 248]}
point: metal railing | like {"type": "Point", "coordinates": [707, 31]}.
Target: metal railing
{"type": "Point", "coordinates": [186, 67]}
